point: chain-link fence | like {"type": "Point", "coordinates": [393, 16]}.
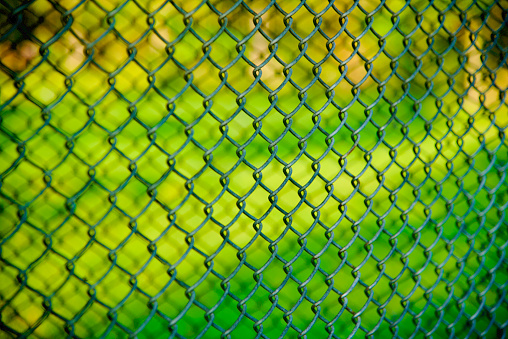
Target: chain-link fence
{"type": "Point", "coordinates": [253, 169]}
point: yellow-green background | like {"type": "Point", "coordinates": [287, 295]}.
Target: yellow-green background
{"type": "Point", "coordinates": [85, 189]}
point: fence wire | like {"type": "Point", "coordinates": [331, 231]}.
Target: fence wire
{"type": "Point", "coordinates": [253, 169]}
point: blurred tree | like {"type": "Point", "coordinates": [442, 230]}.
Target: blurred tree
{"type": "Point", "coordinates": [17, 25]}
{"type": "Point", "coordinates": [24, 21]}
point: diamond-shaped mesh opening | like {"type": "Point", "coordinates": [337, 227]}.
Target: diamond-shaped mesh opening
{"type": "Point", "coordinates": [205, 169]}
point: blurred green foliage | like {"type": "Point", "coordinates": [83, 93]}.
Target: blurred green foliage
{"type": "Point", "coordinates": [166, 168]}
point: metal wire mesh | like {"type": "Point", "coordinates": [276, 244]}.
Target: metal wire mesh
{"type": "Point", "coordinates": [253, 168]}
